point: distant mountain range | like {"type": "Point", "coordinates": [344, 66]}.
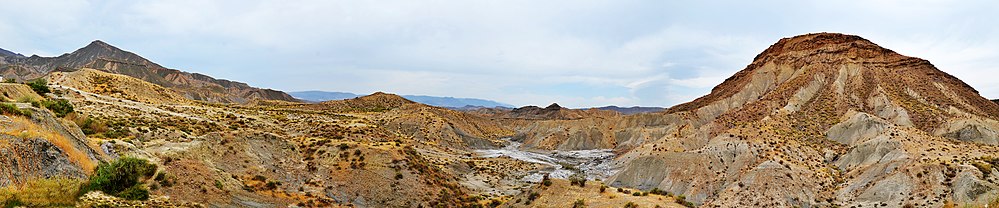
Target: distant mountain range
{"type": "Point", "coordinates": [448, 102]}
{"type": "Point", "coordinates": [632, 110]}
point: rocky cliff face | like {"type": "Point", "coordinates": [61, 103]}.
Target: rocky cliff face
{"type": "Point", "coordinates": [105, 57]}
{"type": "Point", "coordinates": [42, 146]}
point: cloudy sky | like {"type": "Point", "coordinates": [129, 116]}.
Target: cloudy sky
{"type": "Point", "coordinates": [574, 52]}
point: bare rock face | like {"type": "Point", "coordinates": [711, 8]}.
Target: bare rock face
{"type": "Point", "coordinates": [27, 158]}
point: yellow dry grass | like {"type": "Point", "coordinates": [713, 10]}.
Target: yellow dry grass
{"type": "Point", "coordinates": [25, 128]}
{"type": "Point", "coordinates": [51, 192]}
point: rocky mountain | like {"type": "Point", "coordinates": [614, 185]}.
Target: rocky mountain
{"type": "Point", "coordinates": [452, 102]}
{"type": "Point", "coordinates": [447, 102]}
{"type": "Point", "coordinates": [105, 57]}
{"type": "Point", "coordinates": [320, 96]}
{"type": "Point", "coordinates": [632, 110]}
{"type": "Point", "coordinates": [6, 53]}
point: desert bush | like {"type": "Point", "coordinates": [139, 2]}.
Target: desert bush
{"type": "Point", "coordinates": [495, 203]}
{"type": "Point", "coordinates": [122, 178]}
{"type": "Point", "coordinates": [578, 180]}
{"type": "Point", "coordinates": [531, 197]}
{"type": "Point", "coordinates": [11, 110]}
{"type": "Point", "coordinates": [658, 191]}
{"type": "Point", "coordinates": [631, 205]}
{"type": "Point", "coordinates": [60, 107]}
{"type": "Point", "coordinates": [682, 200]}
{"type": "Point", "coordinates": [51, 192]}
{"type": "Point", "coordinates": [40, 86]}
{"type": "Point", "coordinates": [97, 128]}
{"type": "Point", "coordinates": [546, 181]}
{"type": "Point", "coordinates": [580, 203]}
{"type": "Point", "coordinates": [88, 125]}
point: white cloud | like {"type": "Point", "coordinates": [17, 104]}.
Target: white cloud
{"type": "Point", "coordinates": [576, 53]}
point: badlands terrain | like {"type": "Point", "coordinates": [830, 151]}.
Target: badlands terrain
{"type": "Point", "coordinates": [817, 120]}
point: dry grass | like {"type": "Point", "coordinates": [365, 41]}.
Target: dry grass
{"type": "Point", "coordinates": [24, 128]}
{"type": "Point", "coordinates": [53, 192]}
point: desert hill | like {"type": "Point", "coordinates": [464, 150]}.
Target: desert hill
{"type": "Point", "coordinates": [816, 120]}
{"type": "Point", "coordinates": [810, 122]}
{"type": "Point", "coordinates": [105, 57]}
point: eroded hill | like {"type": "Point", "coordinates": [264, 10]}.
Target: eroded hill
{"type": "Point", "coordinates": [818, 120]}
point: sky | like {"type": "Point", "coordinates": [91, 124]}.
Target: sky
{"type": "Point", "coordinates": [577, 53]}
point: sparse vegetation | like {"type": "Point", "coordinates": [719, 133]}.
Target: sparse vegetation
{"type": "Point", "coordinates": [986, 165]}
{"type": "Point", "coordinates": [578, 179]}
{"type": "Point", "coordinates": [580, 203]}
{"type": "Point", "coordinates": [658, 191]}
{"type": "Point", "coordinates": [546, 181]}
{"type": "Point", "coordinates": [122, 178]}
{"type": "Point", "coordinates": [96, 127]}
{"type": "Point", "coordinates": [531, 197]}
{"type": "Point", "coordinates": [26, 128]}
{"type": "Point", "coordinates": [40, 86]}
{"type": "Point", "coordinates": [682, 200]}
{"type": "Point", "coordinates": [631, 205]}
{"type": "Point", "coordinates": [11, 110]}
{"type": "Point", "coordinates": [60, 107]}
{"type": "Point", "coordinates": [52, 192]}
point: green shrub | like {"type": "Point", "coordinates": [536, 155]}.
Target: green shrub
{"type": "Point", "coordinates": [631, 205]}
{"type": "Point", "coordinates": [533, 196]}
{"type": "Point", "coordinates": [122, 178]}
{"type": "Point", "coordinates": [11, 203]}
{"type": "Point", "coordinates": [136, 192]}
{"type": "Point", "coordinates": [578, 179]}
{"type": "Point", "coordinates": [580, 203]}
{"type": "Point", "coordinates": [682, 200]}
{"type": "Point", "coordinates": [546, 181]}
{"type": "Point", "coordinates": [39, 86]}
{"type": "Point", "coordinates": [60, 107]}
{"type": "Point", "coordinates": [658, 191]}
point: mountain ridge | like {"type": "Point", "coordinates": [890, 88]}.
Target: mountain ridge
{"type": "Point", "coordinates": [106, 57]}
